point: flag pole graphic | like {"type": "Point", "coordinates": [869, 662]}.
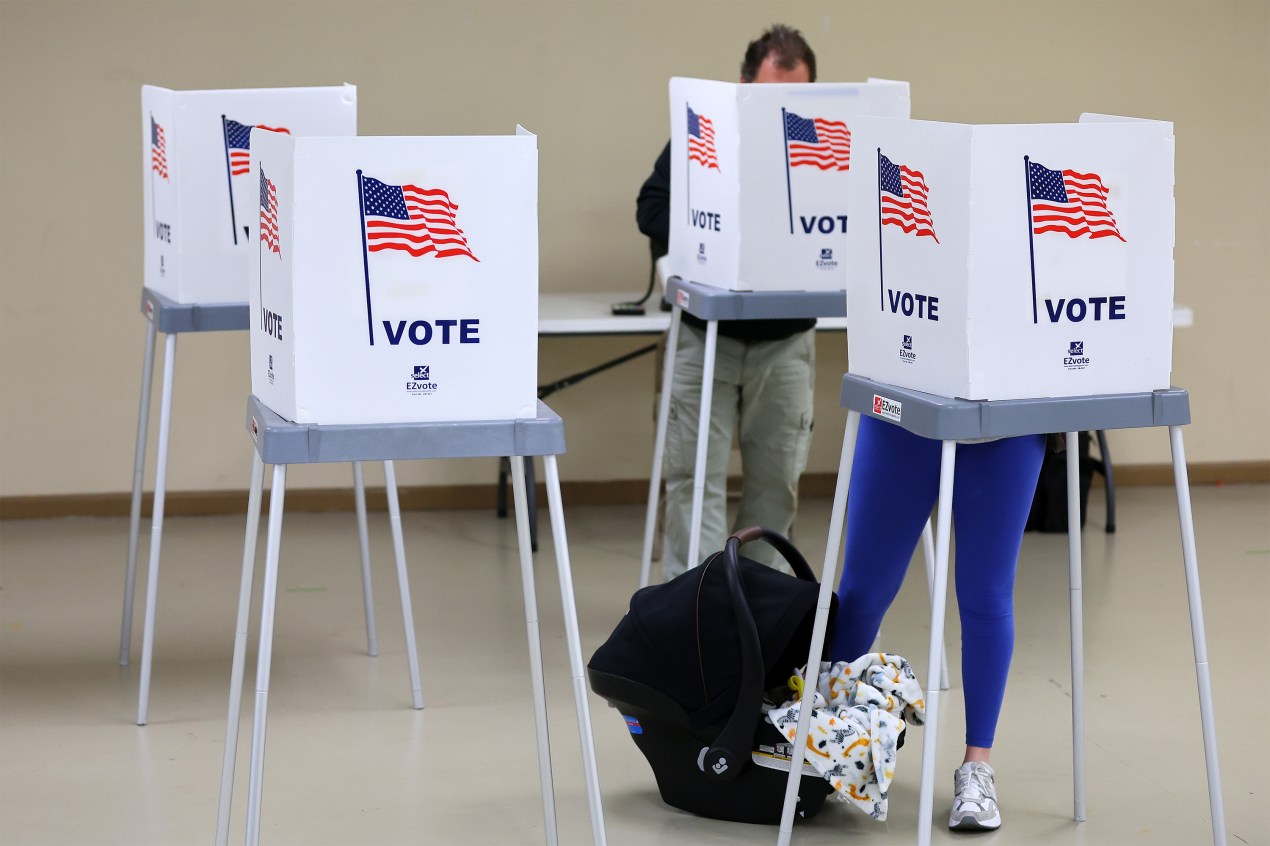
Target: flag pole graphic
{"type": "Point", "coordinates": [789, 192]}
{"type": "Point", "coordinates": [361, 205]}
{"type": "Point", "coordinates": [1031, 228]}
{"type": "Point", "coordinates": [229, 177]}
{"type": "Point", "coordinates": [688, 162]}
{"type": "Point", "coordinates": [154, 216]}
{"type": "Point", "coordinates": [260, 277]}
{"type": "Point", "coordinates": [881, 294]}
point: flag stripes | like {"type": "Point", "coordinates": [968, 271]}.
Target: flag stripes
{"type": "Point", "coordinates": [904, 198]}
{"type": "Point", "coordinates": [1070, 202]}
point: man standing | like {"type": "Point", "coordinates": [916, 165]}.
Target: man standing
{"type": "Point", "coordinates": [762, 380]}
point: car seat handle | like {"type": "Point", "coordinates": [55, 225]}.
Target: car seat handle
{"type": "Point", "coordinates": [782, 545]}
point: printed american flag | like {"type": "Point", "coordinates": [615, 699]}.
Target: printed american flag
{"type": "Point", "coordinates": [1070, 202]}
{"type": "Point", "coordinates": [158, 150]}
{"type": "Point", "coordinates": [903, 192]}
{"type": "Point", "coordinates": [416, 220]}
{"type": "Point", "coordinates": [269, 213]}
{"type": "Point", "coordinates": [818, 142]}
{"type": "Point", "coordinates": [701, 140]}
{"type": "Point", "coordinates": [238, 142]}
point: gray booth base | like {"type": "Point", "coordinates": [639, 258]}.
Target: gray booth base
{"type": "Point", "coordinates": [946, 419]}
{"type": "Point", "coordinates": [172, 317]}
{"type": "Point", "coordinates": [710, 303]}
{"type": "Point", "coordinates": [281, 442]}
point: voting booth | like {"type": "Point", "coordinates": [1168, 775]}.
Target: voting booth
{"type": "Point", "coordinates": [199, 195]}
{"type": "Point", "coordinates": [394, 280]}
{"type": "Point", "coordinates": [759, 177]}
{"type": "Point", "coordinates": [1013, 261]}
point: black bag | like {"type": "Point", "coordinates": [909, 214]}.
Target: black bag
{"type": "Point", "coordinates": [688, 667]}
{"type": "Point", "coordinates": [1049, 505]}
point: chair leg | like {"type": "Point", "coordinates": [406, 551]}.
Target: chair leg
{"type": "Point", "coordinates": [501, 508]}
{"type": "Point", "coordinates": [531, 500]}
{"type": "Point", "coordinates": [926, 796]}
{"type": "Point", "coordinates": [138, 479]}
{"type": "Point", "coordinates": [659, 447]}
{"type": "Point", "coordinates": [1077, 628]}
{"type": "Point", "coordinates": [264, 657]}
{"type": "Point", "coordinates": [574, 639]}
{"type": "Point", "coordinates": [363, 543]}
{"type": "Point", "coordinates": [833, 548]}
{"type": "Point", "coordinates": [1198, 639]}
{"type": "Point", "coordinates": [240, 650]}
{"type": "Point", "coordinates": [156, 528]}
{"type": "Point", "coordinates": [1109, 476]}
{"type": "Point", "coordinates": [535, 650]}
{"type": "Point", "coordinates": [403, 582]}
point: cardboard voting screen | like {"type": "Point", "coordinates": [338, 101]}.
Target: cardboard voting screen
{"type": "Point", "coordinates": [196, 163]}
{"type": "Point", "coordinates": [1003, 262]}
{"type": "Point", "coordinates": [395, 280]}
{"type": "Point", "coordinates": [759, 178]}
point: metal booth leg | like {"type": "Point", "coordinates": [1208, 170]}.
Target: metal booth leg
{"type": "Point", "coordinates": [926, 797]}
{"type": "Point", "coordinates": [273, 540]}
{"type": "Point", "coordinates": [833, 546]}
{"type": "Point", "coordinates": [363, 542]}
{"type": "Point", "coordinates": [574, 639]}
{"type": "Point", "coordinates": [403, 582]}
{"type": "Point", "coordinates": [659, 445]}
{"type": "Point", "coordinates": [240, 650]}
{"type": "Point", "coordinates": [535, 650]}
{"type": "Point", "coordinates": [928, 553]}
{"type": "Point", "coordinates": [138, 479]}
{"type": "Point", "coordinates": [1077, 627]}
{"type": "Point", "coordinates": [1199, 641]}
{"type": "Point", "coordinates": [703, 443]}
{"type": "Point", "coordinates": [156, 527]}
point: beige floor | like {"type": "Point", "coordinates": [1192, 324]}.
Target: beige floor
{"type": "Point", "coordinates": [350, 763]}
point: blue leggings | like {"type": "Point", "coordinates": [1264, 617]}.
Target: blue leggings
{"type": "Point", "coordinates": [894, 487]}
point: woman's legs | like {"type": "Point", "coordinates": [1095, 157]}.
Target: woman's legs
{"type": "Point", "coordinates": [992, 496]}
{"type": "Point", "coordinates": [894, 483]}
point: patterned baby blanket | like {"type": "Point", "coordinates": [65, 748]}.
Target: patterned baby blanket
{"type": "Point", "coordinates": [859, 711]}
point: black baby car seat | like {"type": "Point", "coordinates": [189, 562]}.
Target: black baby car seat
{"type": "Point", "coordinates": [689, 666]}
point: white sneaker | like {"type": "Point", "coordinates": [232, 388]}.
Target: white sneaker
{"type": "Point", "coordinates": [974, 798]}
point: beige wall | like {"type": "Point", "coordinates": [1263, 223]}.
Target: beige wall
{"type": "Point", "coordinates": [590, 78]}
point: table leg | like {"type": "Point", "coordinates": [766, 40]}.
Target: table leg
{"type": "Point", "coordinates": [1198, 640]}
{"type": "Point", "coordinates": [659, 445]}
{"type": "Point", "coordinates": [156, 527]}
{"type": "Point", "coordinates": [1077, 627]}
{"type": "Point", "coordinates": [240, 649]}
{"type": "Point", "coordinates": [403, 582]}
{"type": "Point", "coordinates": [833, 548]}
{"type": "Point", "coordinates": [363, 542]}
{"type": "Point", "coordinates": [273, 542]}
{"type": "Point", "coordinates": [138, 479]}
{"type": "Point", "coordinates": [574, 640]}
{"type": "Point", "coordinates": [926, 796]}
{"type": "Point", "coordinates": [535, 649]}
{"type": "Point", "coordinates": [703, 443]}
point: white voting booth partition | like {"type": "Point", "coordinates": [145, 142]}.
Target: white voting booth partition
{"type": "Point", "coordinates": [393, 291]}
{"type": "Point", "coordinates": [199, 202]}
{"type": "Point", "coordinates": [758, 222]}
{"type": "Point", "coordinates": [396, 279]}
{"type": "Point", "coordinates": [1049, 247]}
{"type": "Point", "coordinates": [1005, 281]}
{"type": "Point", "coordinates": [759, 177]}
